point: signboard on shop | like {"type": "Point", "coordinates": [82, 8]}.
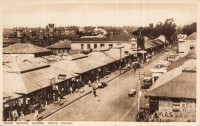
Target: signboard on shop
{"type": "Point", "coordinates": [184, 109]}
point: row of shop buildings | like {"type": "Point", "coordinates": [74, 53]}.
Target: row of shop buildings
{"type": "Point", "coordinates": [173, 95]}
{"type": "Point", "coordinates": [33, 74]}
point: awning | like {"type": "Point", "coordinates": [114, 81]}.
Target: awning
{"type": "Point", "coordinates": [142, 51]}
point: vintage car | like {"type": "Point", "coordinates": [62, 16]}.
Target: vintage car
{"type": "Point", "coordinates": [135, 65]}
{"type": "Point", "coordinates": [132, 93]}
{"type": "Point", "coordinates": [147, 82]}
{"type": "Point", "coordinates": [102, 84]}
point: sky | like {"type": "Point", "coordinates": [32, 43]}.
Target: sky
{"type": "Point", "coordinates": [32, 14]}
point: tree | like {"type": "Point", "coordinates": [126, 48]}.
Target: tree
{"type": "Point", "coordinates": [189, 29]}
{"type": "Point", "coordinates": [169, 29]}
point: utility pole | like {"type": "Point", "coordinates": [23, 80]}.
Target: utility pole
{"type": "Point", "coordinates": [138, 75]}
{"type": "Point", "coordinates": [120, 59]}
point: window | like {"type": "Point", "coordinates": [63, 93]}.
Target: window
{"type": "Point", "coordinates": [110, 45]}
{"type": "Point", "coordinates": [102, 45]}
{"type": "Point", "coordinates": [95, 46]}
{"type": "Point", "coordinates": [88, 46]}
{"type": "Point", "coordinates": [192, 47]}
{"type": "Point", "coordinates": [82, 46]}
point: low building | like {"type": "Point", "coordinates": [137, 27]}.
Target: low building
{"type": "Point", "coordinates": [87, 45]}
{"type": "Point", "coordinates": [188, 44]}
{"type": "Point", "coordinates": [30, 80]}
{"type": "Point", "coordinates": [182, 37]}
{"type": "Point", "coordinates": [60, 47]}
{"type": "Point", "coordinates": [24, 51]}
{"type": "Point", "coordinates": [173, 96]}
{"type": "Point", "coordinates": [94, 43]}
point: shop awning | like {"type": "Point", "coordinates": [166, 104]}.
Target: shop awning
{"type": "Point", "coordinates": [142, 51]}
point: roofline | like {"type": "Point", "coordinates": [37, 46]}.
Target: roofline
{"type": "Point", "coordinates": [28, 53]}
{"type": "Point", "coordinates": [98, 41]}
{"type": "Point", "coordinates": [167, 97]}
{"type": "Point", "coordinates": [57, 48]}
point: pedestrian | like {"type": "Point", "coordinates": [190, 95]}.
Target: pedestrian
{"type": "Point", "coordinates": [59, 100]}
{"type": "Point", "coordinates": [89, 83]}
{"type": "Point", "coordinates": [15, 117]}
{"type": "Point", "coordinates": [36, 113]}
{"type": "Point", "coordinates": [71, 90]}
{"type": "Point", "coordinates": [94, 92]}
{"type": "Point", "coordinates": [22, 116]}
{"type": "Point", "coordinates": [62, 92]}
{"type": "Point", "coordinates": [45, 106]}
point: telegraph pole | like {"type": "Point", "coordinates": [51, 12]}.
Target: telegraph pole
{"type": "Point", "coordinates": [120, 59]}
{"type": "Point", "coordinates": [138, 75]}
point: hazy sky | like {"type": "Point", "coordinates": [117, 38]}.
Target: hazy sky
{"type": "Point", "coordinates": [104, 14]}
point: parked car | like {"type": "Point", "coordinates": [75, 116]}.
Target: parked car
{"type": "Point", "coordinates": [135, 65]}
{"type": "Point", "coordinates": [132, 93]}
{"type": "Point", "coordinates": [102, 84]}
{"type": "Point", "coordinates": [147, 82]}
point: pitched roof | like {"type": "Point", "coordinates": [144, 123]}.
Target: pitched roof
{"type": "Point", "coordinates": [193, 36]}
{"type": "Point", "coordinates": [21, 67]}
{"type": "Point", "coordinates": [148, 45]}
{"type": "Point", "coordinates": [154, 42]}
{"type": "Point", "coordinates": [99, 49]}
{"type": "Point", "coordinates": [161, 38]}
{"type": "Point", "coordinates": [100, 56]}
{"type": "Point", "coordinates": [31, 81]}
{"type": "Point", "coordinates": [115, 54]}
{"type": "Point", "coordinates": [25, 48]}
{"type": "Point", "coordinates": [65, 44]}
{"type": "Point", "coordinates": [80, 65]}
{"type": "Point", "coordinates": [181, 61]}
{"type": "Point", "coordinates": [177, 83]}
{"type": "Point", "coordinates": [178, 87]}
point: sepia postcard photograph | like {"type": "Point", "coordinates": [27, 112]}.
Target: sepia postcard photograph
{"type": "Point", "coordinates": [95, 62]}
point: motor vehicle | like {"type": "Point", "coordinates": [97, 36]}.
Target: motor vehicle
{"type": "Point", "coordinates": [102, 84]}
{"type": "Point", "coordinates": [147, 82]}
{"type": "Point", "coordinates": [132, 93]}
{"type": "Point", "coordinates": [135, 65]}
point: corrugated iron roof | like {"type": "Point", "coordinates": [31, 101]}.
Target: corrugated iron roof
{"type": "Point", "coordinates": [176, 83]}
{"type": "Point", "coordinates": [31, 81]}
{"type": "Point", "coordinates": [115, 54]}
{"type": "Point", "coordinates": [178, 87]}
{"type": "Point", "coordinates": [20, 67]}
{"type": "Point", "coordinates": [100, 56]}
{"type": "Point", "coordinates": [193, 36]}
{"type": "Point", "coordinates": [25, 48]}
{"type": "Point", "coordinates": [181, 61]}
{"type": "Point", "coordinates": [63, 44]}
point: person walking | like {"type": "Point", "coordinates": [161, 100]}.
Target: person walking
{"type": "Point", "coordinates": [36, 113]}
{"type": "Point", "coordinates": [22, 116]}
{"type": "Point", "coordinates": [71, 90]}
{"type": "Point", "coordinates": [59, 100]}
{"type": "Point", "coordinates": [95, 95]}
{"type": "Point", "coordinates": [89, 83]}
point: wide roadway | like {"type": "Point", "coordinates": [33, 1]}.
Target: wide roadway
{"type": "Point", "coordinates": [114, 104]}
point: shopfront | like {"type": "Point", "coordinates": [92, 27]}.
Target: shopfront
{"type": "Point", "coordinates": [175, 109]}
